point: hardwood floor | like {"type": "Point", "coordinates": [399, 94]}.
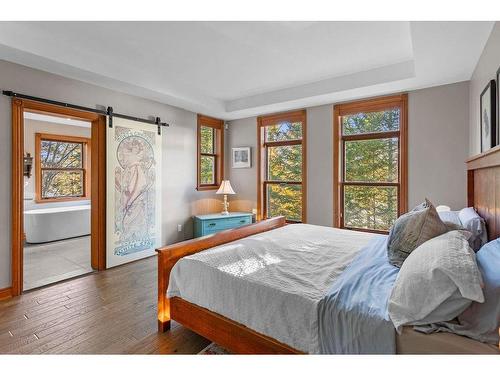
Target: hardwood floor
{"type": "Point", "coordinates": [111, 312]}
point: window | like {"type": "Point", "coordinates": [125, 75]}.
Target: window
{"type": "Point", "coordinates": [210, 153]}
{"type": "Point", "coordinates": [62, 167]}
{"type": "Point", "coordinates": [370, 162]}
{"type": "Point", "coordinates": [282, 166]}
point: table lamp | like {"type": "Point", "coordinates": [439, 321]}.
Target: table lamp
{"type": "Point", "coordinates": [225, 188]}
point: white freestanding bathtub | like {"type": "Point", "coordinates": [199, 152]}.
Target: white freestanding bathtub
{"type": "Point", "coordinates": [56, 223]}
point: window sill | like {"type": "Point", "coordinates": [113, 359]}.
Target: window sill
{"type": "Point", "coordinates": [377, 231]}
{"type": "Point", "coordinates": [207, 187]}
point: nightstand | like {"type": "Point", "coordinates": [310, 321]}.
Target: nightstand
{"type": "Point", "coordinates": [213, 223]}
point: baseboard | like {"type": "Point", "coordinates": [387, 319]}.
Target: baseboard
{"type": "Point", "coordinates": [5, 293]}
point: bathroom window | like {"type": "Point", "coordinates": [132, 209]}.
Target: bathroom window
{"type": "Point", "coordinates": [210, 154]}
{"type": "Point", "coordinates": [62, 166]}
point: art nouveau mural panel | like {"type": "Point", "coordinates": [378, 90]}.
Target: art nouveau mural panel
{"type": "Point", "coordinates": [133, 191]}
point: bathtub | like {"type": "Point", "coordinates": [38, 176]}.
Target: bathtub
{"type": "Point", "coordinates": [56, 223]}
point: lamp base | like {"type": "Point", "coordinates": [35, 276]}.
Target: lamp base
{"type": "Point", "coordinates": [225, 206]}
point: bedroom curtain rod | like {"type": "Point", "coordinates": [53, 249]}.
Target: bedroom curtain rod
{"type": "Point", "coordinates": [109, 112]}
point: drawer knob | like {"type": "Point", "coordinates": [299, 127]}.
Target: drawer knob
{"type": "Point", "coordinates": [212, 224]}
{"type": "Point", "coordinates": [242, 221]}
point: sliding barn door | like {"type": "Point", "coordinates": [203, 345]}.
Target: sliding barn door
{"type": "Point", "coordinates": [133, 191]}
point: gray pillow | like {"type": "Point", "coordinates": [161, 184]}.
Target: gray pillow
{"type": "Point", "coordinates": [437, 282]}
{"type": "Point", "coordinates": [480, 321]}
{"type": "Point", "coordinates": [411, 230]}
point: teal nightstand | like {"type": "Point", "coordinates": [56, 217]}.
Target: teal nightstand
{"type": "Point", "coordinates": [213, 223]}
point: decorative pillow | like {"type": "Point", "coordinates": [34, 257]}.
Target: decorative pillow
{"type": "Point", "coordinates": [411, 230]}
{"type": "Point", "coordinates": [482, 320]}
{"type": "Point", "coordinates": [475, 224]}
{"type": "Point", "coordinates": [437, 282]}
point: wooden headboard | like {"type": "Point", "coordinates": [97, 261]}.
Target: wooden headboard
{"type": "Point", "coordinates": [483, 188]}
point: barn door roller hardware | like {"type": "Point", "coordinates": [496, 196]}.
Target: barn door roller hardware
{"type": "Point", "coordinates": [109, 112]}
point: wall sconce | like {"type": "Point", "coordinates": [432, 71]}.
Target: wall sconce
{"type": "Point", "coordinates": [28, 165]}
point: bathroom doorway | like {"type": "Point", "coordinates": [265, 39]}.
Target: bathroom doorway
{"type": "Point", "coordinates": [58, 194]}
{"type": "Point", "coordinates": [56, 199]}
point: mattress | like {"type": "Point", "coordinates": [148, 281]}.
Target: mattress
{"type": "Point", "coordinates": [413, 342]}
{"type": "Point", "coordinates": [270, 282]}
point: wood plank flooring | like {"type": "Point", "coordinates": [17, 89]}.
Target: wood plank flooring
{"type": "Point", "coordinates": [111, 312]}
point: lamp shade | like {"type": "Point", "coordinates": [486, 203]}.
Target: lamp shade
{"type": "Point", "coordinates": [225, 188]}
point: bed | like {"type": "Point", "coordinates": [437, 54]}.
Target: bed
{"type": "Point", "coordinates": [255, 291]}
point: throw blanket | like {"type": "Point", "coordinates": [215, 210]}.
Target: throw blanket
{"type": "Point", "coordinates": [353, 317]}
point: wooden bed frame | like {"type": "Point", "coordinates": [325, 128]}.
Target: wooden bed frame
{"type": "Point", "coordinates": [483, 193]}
{"type": "Point", "coordinates": [483, 188]}
{"type": "Point", "coordinates": [229, 334]}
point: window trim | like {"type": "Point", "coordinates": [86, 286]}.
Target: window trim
{"type": "Point", "coordinates": [370, 105]}
{"type": "Point", "coordinates": [218, 126]}
{"type": "Point", "coordinates": [39, 137]}
{"type": "Point", "coordinates": [262, 122]}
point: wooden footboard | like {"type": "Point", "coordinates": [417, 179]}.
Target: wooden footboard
{"type": "Point", "coordinates": [169, 255]}
{"type": "Point", "coordinates": [229, 334]}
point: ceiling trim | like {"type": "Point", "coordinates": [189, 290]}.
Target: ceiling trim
{"type": "Point", "coordinates": [385, 74]}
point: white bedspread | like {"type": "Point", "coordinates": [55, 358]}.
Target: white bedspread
{"type": "Point", "coordinates": [270, 282]}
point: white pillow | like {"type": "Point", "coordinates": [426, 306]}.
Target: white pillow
{"type": "Point", "coordinates": [476, 225]}
{"type": "Point", "coordinates": [437, 281]}
{"type": "Point", "coordinates": [450, 217]}
{"type": "Point", "coordinates": [443, 208]}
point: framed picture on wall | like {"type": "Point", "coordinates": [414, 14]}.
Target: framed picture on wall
{"type": "Point", "coordinates": [488, 116]}
{"type": "Point", "coordinates": [242, 157]}
{"type": "Point", "coordinates": [498, 106]}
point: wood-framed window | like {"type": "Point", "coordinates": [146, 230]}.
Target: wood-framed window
{"type": "Point", "coordinates": [62, 168]}
{"type": "Point", "coordinates": [370, 163]}
{"type": "Point", "coordinates": [210, 153]}
{"type": "Point", "coordinates": [281, 181]}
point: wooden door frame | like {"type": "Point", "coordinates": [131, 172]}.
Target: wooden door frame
{"type": "Point", "coordinates": [97, 188]}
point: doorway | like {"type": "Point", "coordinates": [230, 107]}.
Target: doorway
{"type": "Point", "coordinates": [58, 192]}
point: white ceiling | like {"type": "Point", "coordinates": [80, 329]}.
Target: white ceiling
{"type": "Point", "coordinates": [239, 69]}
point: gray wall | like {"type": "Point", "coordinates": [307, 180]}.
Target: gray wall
{"type": "Point", "coordinates": [320, 165]}
{"type": "Point", "coordinates": [438, 139]}
{"type": "Point", "coordinates": [486, 69]}
{"type": "Point", "coordinates": [180, 199]}
{"type": "Point", "coordinates": [438, 142]}
{"type": "Point", "coordinates": [242, 133]}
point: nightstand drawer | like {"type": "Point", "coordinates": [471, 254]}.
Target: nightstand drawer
{"type": "Point", "coordinates": [213, 225]}
{"type": "Point", "coordinates": [235, 222]}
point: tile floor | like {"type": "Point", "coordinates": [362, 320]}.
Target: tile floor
{"type": "Point", "coordinates": [55, 261]}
